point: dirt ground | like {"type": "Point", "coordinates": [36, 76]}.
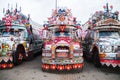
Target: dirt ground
{"type": "Point", "coordinates": [31, 70]}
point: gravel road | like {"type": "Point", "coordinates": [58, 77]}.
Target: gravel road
{"type": "Point", "coordinates": [31, 70]}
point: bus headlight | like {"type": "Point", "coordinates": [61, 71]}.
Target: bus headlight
{"type": "Point", "coordinates": [108, 48]}
{"type": "Point", "coordinates": [76, 47]}
{"type": "Point", "coordinates": [48, 47]}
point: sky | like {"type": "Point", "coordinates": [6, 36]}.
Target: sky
{"type": "Point", "coordinates": [40, 10]}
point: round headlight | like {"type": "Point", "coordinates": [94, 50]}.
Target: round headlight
{"type": "Point", "coordinates": [48, 47]}
{"type": "Point", "coordinates": [76, 46]}
{"type": "Point", "coordinates": [108, 48]}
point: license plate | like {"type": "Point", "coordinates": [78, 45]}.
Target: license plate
{"type": "Point", "coordinates": [48, 54]}
{"type": "Point", "coordinates": [62, 55]}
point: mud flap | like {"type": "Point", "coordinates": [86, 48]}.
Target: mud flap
{"type": "Point", "coordinates": [96, 60]}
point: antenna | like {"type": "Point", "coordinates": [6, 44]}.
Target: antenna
{"type": "Point", "coordinates": [11, 8]}
{"type": "Point", "coordinates": [56, 4]}
{"type": "Point", "coordinates": [16, 9]}
{"type": "Point", "coordinates": [8, 5]}
{"type": "Point", "coordinates": [3, 10]}
{"type": "Point", "coordinates": [8, 11]}
{"type": "Point", "coordinates": [16, 5]}
{"type": "Point", "coordinates": [107, 7]}
{"type": "Point", "coordinates": [20, 8]}
{"type": "Point", "coordinates": [28, 17]}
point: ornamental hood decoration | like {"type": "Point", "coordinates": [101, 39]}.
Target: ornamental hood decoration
{"type": "Point", "coordinates": [106, 17]}
{"type": "Point", "coordinates": [14, 17]}
{"type": "Point", "coordinates": [62, 16]}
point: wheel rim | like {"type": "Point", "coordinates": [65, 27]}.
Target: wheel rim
{"type": "Point", "coordinates": [20, 57]}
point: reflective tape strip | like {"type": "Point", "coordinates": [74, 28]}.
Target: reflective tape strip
{"type": "Point", "coordinates": [6, 59]}
{"type": "Point", "coordinates": [114, 65]}
{"type": "Point", "coordinates": [108, 64]}
{"type": "Point", "coordinates": [11, 58]}
{"type": "Point", "coordinates": [62, 50]}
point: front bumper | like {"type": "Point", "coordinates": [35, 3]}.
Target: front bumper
{"type": "Point", "coordinates": [62, 64]}
{"type": "Point", "coordinates": [109, 62]}
{"type": "Point", "coordinates": [110, 59]}
{"type": "Point", "coordinates": [62, 61]}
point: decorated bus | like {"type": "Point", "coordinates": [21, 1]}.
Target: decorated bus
{"type": "Point", "coordinates": [62, 49]}
{"type": "Point", "coordinates": [19, 40]}
{"type": "Point", "coordinates": [102, 41]}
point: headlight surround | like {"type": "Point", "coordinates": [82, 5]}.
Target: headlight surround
{"type": "Point", "coordinates": [105, 48]}
{"type": "Point", "coordinates": [76, 46]}
{"type": "Point", "coordinates": [48, 47]}
{"type": "Point", "coordinates": [108, 48]}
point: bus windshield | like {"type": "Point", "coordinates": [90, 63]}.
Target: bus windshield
{"type": "Point", "coordinates": [62, 34]}
{"type": "Point", "coordinates": [114, 34]}
{"type": "Point", "coordinates": [12, 32]}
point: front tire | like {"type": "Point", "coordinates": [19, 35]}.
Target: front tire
{"type": "Point", "coordinates": [19, 54]}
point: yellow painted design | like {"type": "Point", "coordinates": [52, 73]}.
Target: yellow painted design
{"type": "Point", "coordinates": [71, 47]}
{"type": "Point", "coordinates": [27, 25]}
{"type": "Point", "coordinates": [27, 49]}
{"type": "Point", "coordinates": [102, 55]}
{"type": "Point", "coordinates": [24, 44]}
{"type": "Point", "coordinates": [6, 46]}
